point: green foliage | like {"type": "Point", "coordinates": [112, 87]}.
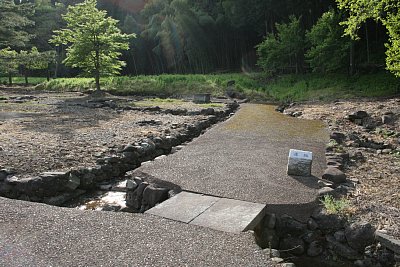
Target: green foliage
{"type": "Point", "coordinates": [329, 51]}
{"type": "Point", "coordinates": [8, 61]}
{"type": "Point", "coordinates": [284, 51]}
{"type": "Point", "coordinates": [35, 60]}
{"type": "Point", "coordinates": [339, 207]}
{"type": "Point", "coordinates": [14, 22]}
{"type": "Point", "coordinates": [384, 11]}
{"type": "Point", "coordinates": [94, 40]}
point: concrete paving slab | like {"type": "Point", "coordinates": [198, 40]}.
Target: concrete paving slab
{"type": "Point", "coordinates": [231, 215]}
{"type": "Point", "coordinates": [183, 207]}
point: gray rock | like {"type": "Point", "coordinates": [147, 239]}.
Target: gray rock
{"type": "Point", "coordinates": [360, 235]}
{"type": "Point", "coordinates": [338, 137]}
{"type": "Point", "coordinates": [152, 196]}
{"type": "Point", "coordinates": [64, 197]}
{"type": "Point", "coordinates": [134, 198]}
{"type": "Point", "coordinates": [334, 175]}
{"type": "Point", "coordinates": [315, 249]}
{"type": "Point", "coordinates": [325, 191]}
{"type": "Point", "coordinates": [3, 174]}
{"type": "Point", "coordinates": [111, 207]}
{"type": "Point", "coordinates": [288, 264]}
{"type": "Point", "coordinates": [358, 116]}
{"type": "Point", "coordinates": [272, 253]}
{"type": "Point", "coordinates": [73, 182]}
{"type": "Point", "coordinates": [277, 260]}
{"type": "Point", "coordinates": [131, 185]}
{"type": "Point", "coordinates": [138, 180]}
{"type": "Point", "coordinates": [293, 245]}
{"type": "Point", "coordinates": [343, 250]}
{"type": "Point", "coordinates": [288, 225]}
{"type": "Point", "coordinates": [327, 222]}
{"type": "Point", "coordinates": [311, 224]}
{"type": "Point", "coordinates": [340, 236]}
{"type": "Point", "coordinates": [386, 119]}
{"type": "Point", "coordinates": [388, 241]}
{"type": "Point", "coordinates": [312, 236]}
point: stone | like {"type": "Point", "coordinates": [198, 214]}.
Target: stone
{"type": "Point", "coordinates": [299, 163]}
{"type": "Point", "coordinates": [358, 116]}
{"type": "Point", "coordinates": [293, 245]}
{"type": "Point", "coordinates": [288, 225]}
{"type": "Point", "coordinates": [334, 175]}
{"type": "Point", "coordinates": [338, 137]}
{"type": "Point", "coordinates": [343, 250]}
{"type": "Point", "coordinates": [311, 224]}
{"type": "Point", "coordinates": [3, 175]}
{"type": "Point", "coordinates": [134, 198]}
{"type": "Point", "coordinates": [388, 242]}
{"type": "Point", "coordinates": [277, 259]}
{"type": "Point", "coordinates": [359, 235]}
{"type": "Point", "coordinates": [312, 236]}
{"type": "Point", "coordinates": [288, 264]}
{"type": "Point", "coordinates": [153, 195]}
{"type": "Point", "coordinates": [272, 253]}
{"type": "Point", "coordinates": [340, 236]}
{"type": "Point", "coordinates": [138, 180]}
{"type": "Point", "coordinates": [386, 119]}
{"type": "Point", "coordinates": [327, 222]}
{"type": "Point", "coordinates": [314, 249]}
{"type": "Point", "coordinates": [325, 191]}
{"type": "Point", "coordinates": [131, 185]}
{"type": "Point", "coordinates": [73, 182]}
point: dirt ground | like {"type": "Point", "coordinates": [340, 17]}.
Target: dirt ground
{"type": "Point", "coordinates": [43, 131]}
{"type": "Point", "coordinates": [377, 195]}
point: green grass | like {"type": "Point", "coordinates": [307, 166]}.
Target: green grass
{"type": "Point", "coordinates": [333, 86]}
{"type": "Point", "coordinates": [254, 86]}
{"type": "Point", "coordinates": [21, 80]}
{"type": "Point", "coordinates": [340, 207]}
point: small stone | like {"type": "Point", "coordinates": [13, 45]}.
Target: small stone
{"type": "Point", "coordinates": [386, 151]}
{"type": "Point", "coordinates": [323, 183]}
{"type": "Point", "coordinates": [386, 119]}
{"type": "Point", "coordinates": [343, 249]}
{"type": "Point", "coordinates": [325, 191]}
{"type": "Point", "coordinates": [311, 224]}
{"type": "Point", "coordinates": [340, 236]}
{"type": "Point", "coordinates": [360, 235]}
{"type": "Point", "coordinates": [277, 259]}
{"type": "Point", "coordinates": [273, 253]}
{"type": "Point", "coordinates": [334, 175]}
{"type": "Point", "coordinates": [288, 264]}
{"type": "Point", "coordinates": [315, 249]}
{"type": "Point", "coordinates": [153, 195]}
{"type": "Point", "coordinates": [338, 137]}
{"type": "Point", "coordinates": [131, 185]}
{"type": "Point", "coordinates": [270, 220]}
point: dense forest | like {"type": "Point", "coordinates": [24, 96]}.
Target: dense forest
{"type": "Point", "coordinates": [205, 36]}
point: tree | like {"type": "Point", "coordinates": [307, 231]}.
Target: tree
{"type": "Point", "coordinates": [384, 11]}
{"type": "Point", "coordinates": [8, 63]}
{"type": "Point", "coordinates": [14, 21]}
{"type": "Point", "coordinates": [94, 40]}
{"type": "Point", "coordinates": [285, 50]}
{"type": "Point", "coordinates": [329, 50]}
{"type": "Point", "coordinates": [35, 60]}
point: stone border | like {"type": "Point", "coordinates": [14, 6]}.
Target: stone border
{"type": "Point", "coordinates": [56, 188]}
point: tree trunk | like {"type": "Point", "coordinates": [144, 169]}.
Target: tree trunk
{"type": "Point", "coordinates": [97, 71]}
{"type": "Point", "coordinates": [367, 40]}
{"type": "Point", "coordinates": [9, 78]}
{"type": "Point", "coordinates": [351, 69]}
{"type": "Point", "coordinates": [26, 75]}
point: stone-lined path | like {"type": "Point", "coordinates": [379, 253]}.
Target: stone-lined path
{"type": "Point", "coordinates": [245, 158]}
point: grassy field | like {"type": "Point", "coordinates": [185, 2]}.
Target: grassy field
{"type": "Point", "coordinates": [254, 86]}
{"type": "Point", "coordinates": [21, 80]}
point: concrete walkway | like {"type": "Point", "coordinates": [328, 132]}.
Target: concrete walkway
{"type": "Point", "coordinates": [245, 158]}
{"type": "Point", "coordinates": [39, 235]}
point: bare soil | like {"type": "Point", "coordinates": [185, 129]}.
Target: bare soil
{"type": "Point", "coordinates": [43, 131]}
{"type": "Point", "coordinates": [377, 195]}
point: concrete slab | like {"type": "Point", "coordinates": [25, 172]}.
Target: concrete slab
{"type": "Point", "coordinates": [183, 207]}
{"type": "Point", "coordinates": [231, 215]}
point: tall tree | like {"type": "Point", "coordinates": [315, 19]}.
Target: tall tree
{"type": "Point", "coordinates": [14, 22]}
{"type": "Point", "coordinates": [329, 51]}
{"type": "Point", "coordinates": [8, 63]}
{"type": "Point", "coordinates": [94, 40]}
{"type": "Point", "coordinates": [384, 11]}
{"type": "Point", "coordinates": [285, 50]}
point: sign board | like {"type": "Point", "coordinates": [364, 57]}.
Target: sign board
{"type": "Point", "coordinates": [300, 154]}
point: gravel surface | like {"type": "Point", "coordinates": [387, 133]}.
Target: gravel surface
{"type": "Point", "coordinates": [35, 234]}
{"type": "Point", "coordinates": [377, 195]}
{"type": "Point", "coordinates": [57, 132]}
